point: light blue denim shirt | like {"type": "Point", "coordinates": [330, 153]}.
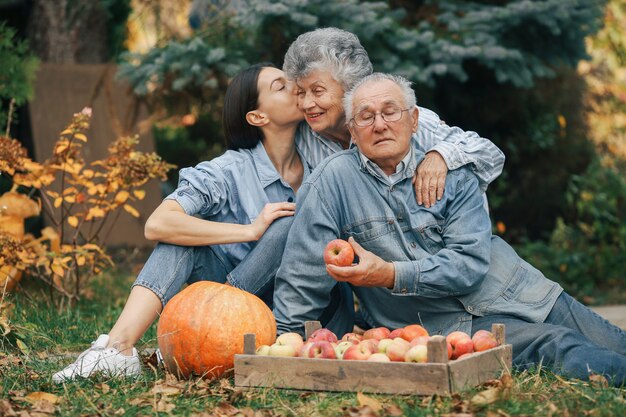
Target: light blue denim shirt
{"type": "Point", "coordinates": [233, 188]}
{"type": "Point", "coordinates": [457, 147]}
{"type": "Point", "coordinates": [448, 267]}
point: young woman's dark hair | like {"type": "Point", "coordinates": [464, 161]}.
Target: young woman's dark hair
{"type": "Point", "coordinates": [241, 97]}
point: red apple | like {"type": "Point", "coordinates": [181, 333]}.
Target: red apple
{"type": "Point", "coordinates": [352, 337]}
{"type": "Point", "coordinates": [304, 350]}
{"type": "Point", "coordinates": [341, 348]}
{"type": "Point", "coordinates": [398, 349]}
{"type": "Point", "coordinates": [379, 357]}
{"type": "Point", "coordinates": [484, 340]}
{"type": "Point", "coordinates": [420, 340]}
{"type": "Point", "coordinates": [339, 252]}
{"type": "Point", "coordinates": [322, 335]}
{"type": "Point", "coordinates": [461, 343]}
{"type": "Point", "coordinates": [322, 350]}
{"type": "Point", "coordinates": [395, 333]}
{"type": "Point", "coordinates": [412, 331]}
{"type": "Point", "coordinates": [417, 353]}
{"type": "Point", "coordinates": [465, 355]}
{"type": "Point", "coordinates": [293, 339]}
{"type": "Point", "coordinates": [360, 352]}
{"type": "Point", "coordinates": [377, 333]}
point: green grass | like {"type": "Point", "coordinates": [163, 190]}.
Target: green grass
{"type": "Point", "coordinates": [42, 340]}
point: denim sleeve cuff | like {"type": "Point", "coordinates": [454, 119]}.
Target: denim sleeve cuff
{"type": "Point", "coordinates": [450, 153]}
{"type": "Point", "coordinates": [407, 277]}
{"type": "Point", "coordinates": [188, 199]}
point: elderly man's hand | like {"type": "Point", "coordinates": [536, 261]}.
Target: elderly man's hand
{"type": "Point", "coordinates": [430, 179]}
{"type": "Point", "coordinates": [371, 271]}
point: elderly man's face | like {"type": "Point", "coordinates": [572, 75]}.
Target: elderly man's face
{"type": "Point", "coordinates": [319, 97]}
{"type": "Point", "coordinates": [385, 143]}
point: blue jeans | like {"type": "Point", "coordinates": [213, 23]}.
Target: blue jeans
{"type": "Point", "coordinates": [169, 267]}
{"type": "Point", "coordinates": [573, 341]}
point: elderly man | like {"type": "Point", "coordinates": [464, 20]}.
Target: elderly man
{"type": "Point", "coordinates": [426, 265]}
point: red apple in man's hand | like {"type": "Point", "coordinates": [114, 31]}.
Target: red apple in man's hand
{"type": "Point", "coordinates": [461, 343]}
{"type": "Point", "coordinates": [339, 252]}
{"type": "Point", "coordinates": [322, 334]}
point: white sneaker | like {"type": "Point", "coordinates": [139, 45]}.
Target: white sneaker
{"type": "Point", "coordinates": [99, 358]}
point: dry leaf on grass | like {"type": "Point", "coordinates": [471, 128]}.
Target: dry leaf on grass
{"type": "Point", "coordinates": [486, 397]}
{"type": "Point", "coordinates": [6, 409]}
{"type": "Point", "coordinates": [163, 406]}
{"type": "Point", "coordinates": [393, 410]}
{"type": "Point", "coordinates": [598, 381]}
{"type": "Point", "coordinates": [363, 411]}
{"type": "Point", "coordinates": [37, 396]}
{"type": "Point", "coordinates": [373, 403]}
{"type": "Point", "coordinates": [459, 415]}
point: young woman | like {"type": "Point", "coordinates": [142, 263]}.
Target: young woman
{"type": "Point", "coordinates": [216, 224]}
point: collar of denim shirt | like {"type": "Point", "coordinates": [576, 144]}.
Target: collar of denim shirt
{"type": "Point", "coordinates": [405, 168]}
{"type": "Point", "coordinates": [266, 169]}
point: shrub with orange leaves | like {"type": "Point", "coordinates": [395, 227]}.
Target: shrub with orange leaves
{"type": "Point", "coordinates": [81, 202]}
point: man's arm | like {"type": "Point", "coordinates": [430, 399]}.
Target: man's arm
{"type": "Point", "coordinates": [302, 286]}
{"type": "Point", "coordinates": [458, 268]}
{"type": "Point", "coordinates": [457, 148]}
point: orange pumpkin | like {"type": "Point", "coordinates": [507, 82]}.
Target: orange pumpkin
{"type": "Point", "coordinates": [202, 328]}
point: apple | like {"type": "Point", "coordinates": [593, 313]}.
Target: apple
{"type": "Point", "coordinates": [322, 335]}
{"type": "Point", "coordinates": [379, 357]}
{"type": "Point", "coordinates": [395, 333]}
{"type": "Point", "coordinates": [465, 355]}
{"type": "Point", "coordinates": [461, 343]}
{"type": "Point", "coordinates": [293, 339]}
{"type": "Point", "coordinates": [321, 349]}
{"type": "Point", "coordinates": [352, 337]}
{"type": "Point", "coordinates": [372, 343]}
{"type": "Point", "coordinates": [282, 350]}
{"type": "Point", "coordinates": [339, 252]}
{"type": "Point", "coordinates": [360, 352]}
{"type": "Point", "coordinates": [412, 331]}
{"type": "Point", "coordinates": [377, 333]}
{"type": "Point", "coordinates": [263, 350]}
{"type": "Point", "coordinates": [341, 348]}
{"type": "Point", "coordinates": [417, 353]}
{"type": "Point", "coordinates": [304, 350]}
{"type": "Point", "coordinates": [484, 340]}
{"type": "Point", "coordinates": [420, 340]}
{"type": "Point", "coordinates": [383, 344]}
{"type": "Point", "coordinates": [397, 349]}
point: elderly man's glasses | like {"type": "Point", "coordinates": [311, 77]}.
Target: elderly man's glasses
{"type": "Point", "coordinates": [367, 117]}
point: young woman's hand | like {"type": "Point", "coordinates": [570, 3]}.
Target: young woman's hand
{"type": "Point", "coordinates": [271, 212]}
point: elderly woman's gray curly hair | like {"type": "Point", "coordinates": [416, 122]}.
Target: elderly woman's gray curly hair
{"type": "Point", "coordinates": [328, 49]}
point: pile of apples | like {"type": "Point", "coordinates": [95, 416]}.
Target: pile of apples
{"type": "Point", "coordinates": [408, 344]}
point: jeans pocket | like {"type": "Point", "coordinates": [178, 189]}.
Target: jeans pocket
{"type": "Point", "coordinates": [528, 286]}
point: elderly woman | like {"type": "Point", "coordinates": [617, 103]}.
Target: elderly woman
{"type": "Point", "coordinates": [327, 62]}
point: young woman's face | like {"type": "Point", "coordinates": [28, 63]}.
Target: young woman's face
{"type": "Point", "coordinates": [277, 97]}
{"type": "Point", "coordinates": [320, 98]}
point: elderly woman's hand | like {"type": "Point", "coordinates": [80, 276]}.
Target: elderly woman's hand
{"type": "Point", "coordinates": [430, 179]}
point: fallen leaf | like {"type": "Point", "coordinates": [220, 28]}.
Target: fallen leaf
{"type": "Point", "coordinates": [486, 397]}
{"type": "Point", "coordinates": [225, 409]}
{"type": "Point", "coordinates": [598, 381]}
{"type": "Point", "coordinates": [163, 406]}
{"type": "Point", "coordinates": [373, 403]}
{"type": "Point", "coordinates": [6, 409]}
{"type": "Point", "coordinates": [364, 411]}
{"type": "Point", "coordinates": [33, 397]}
{"type": "Point", "coordinates": [165, 390]}
{"type": "Point", "coordinates": [393, 410]}
{"type": "Point", "coordinates": [507, 380]}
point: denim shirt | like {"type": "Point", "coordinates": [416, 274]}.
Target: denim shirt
{"type": "Point", "coordinates": [457, 147]}
{"type": "Point", "coordinates": [448, 267]}
{"type": "Point", "coordinates": [233, 188]}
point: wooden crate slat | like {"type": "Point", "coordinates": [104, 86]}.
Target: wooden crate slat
{"type": "Point", "coordinates": [339, 375]}
{"type": "Point", "coordinates": [479, 367]}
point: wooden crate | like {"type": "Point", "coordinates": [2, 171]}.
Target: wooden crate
{"type": "Point", "coordinates": [437, 376]}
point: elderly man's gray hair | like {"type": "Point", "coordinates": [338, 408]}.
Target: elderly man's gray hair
{"type": "Point", "coordinates": [404, 84]}
{"type": "Point", "coordinates": [328, 49]}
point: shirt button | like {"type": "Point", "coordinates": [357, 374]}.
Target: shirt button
{"type": "Point", "coordinates": [290, 199]}
{"type": "Point", "coordinates": [470, 308]}
{"type": "Point", "coordinates": [403, 290]}
{"type": "Point", "coordinates": [390, 221]}
{"type": "Point", "coordinates": [391, 188]}
{"type": "Point", "coordinates": [400, 218]}
{"type": "Point", "coordinates": [413, 245]}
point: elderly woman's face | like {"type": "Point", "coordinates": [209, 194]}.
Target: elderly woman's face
{"type": "Point", "coordinates": [319, 97]}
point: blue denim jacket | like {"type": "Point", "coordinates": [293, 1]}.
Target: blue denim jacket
{"type": "Point", "coordinates": [233, 188]}
{"type": "Point", "coordinates": [448, 265]}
